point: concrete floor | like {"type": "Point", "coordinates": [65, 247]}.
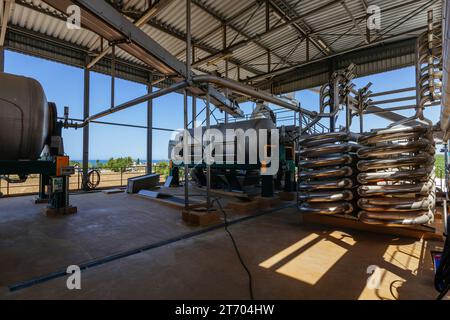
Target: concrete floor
{"type": "Point", "coordinates": [288, 260]}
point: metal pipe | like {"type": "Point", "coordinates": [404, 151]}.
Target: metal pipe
{"type": "Point", "coordinates": [422, 189]}
{"type": "Point", "coordinates": [323, 138]}
{"type": "Point", "coordinates": [327, 162]}
{"type": "Point", "coordinates": [410, 203]}
{"type": "Point", "coordinates": [416, 160]}
{"type": "Point", "coordinates": [126, 125]}
{"type": "Point", "coordinates": [323, 196]}
{"type": "Point", "coordinates": [345, 183]}
{"type": "Point", "coordinates": [392, 135]}
{"type": "Point", "coordinates": [249, 91]}
{"type": "Point", "coordinates": [176, 87]}
{"type": "Point", "coordinates": [121, 124]}
{"type": "Point", "coordinates": [204, 79]}
{"type": "Point", "coordinates": [393, 100]}
{"type": "Point", "coordinates": [393, 220]}
{"type": "Point", "coordinates": [421, 174]}
{"type": "Point", "coordinates": [329, 149]}
{"type": "Point", "coordinates": [413, 106]}
{"type": "Point", "coordinates": [387, 93]}
{"type": "Point", "coordinates": [326, 208]}
{"type": "Point", "coordinates": [327, 173]}
{"type": "Point", "coordinates": [396, 149]}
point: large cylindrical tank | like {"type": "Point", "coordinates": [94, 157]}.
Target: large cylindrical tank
{"type": "Point", "coordinates": [24, 118]}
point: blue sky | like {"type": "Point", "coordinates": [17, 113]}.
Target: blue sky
{"type": "Point", "coordinates": [64, 86]}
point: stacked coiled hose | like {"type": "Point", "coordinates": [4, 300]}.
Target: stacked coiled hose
{"type": "Point", "coordinates": [397, 176]}
{"type": "Point", "coordinates": [327, 171]}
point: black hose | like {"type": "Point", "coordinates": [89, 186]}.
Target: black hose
{"type": "Point", "coordinates": [249, 274]}
{"type": "Point", "coordinates": [90, 184]}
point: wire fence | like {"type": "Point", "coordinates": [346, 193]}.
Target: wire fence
{"type": "Point", "coordinates": [118, 177]}
{"type": "Point", "coordinates": [110, 177]}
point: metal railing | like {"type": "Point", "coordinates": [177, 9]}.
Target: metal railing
{"type": "Point", "coordinates": [110, 177]}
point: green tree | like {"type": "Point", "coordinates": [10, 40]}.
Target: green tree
{"type": "Point", "coordinates": [119, 164]}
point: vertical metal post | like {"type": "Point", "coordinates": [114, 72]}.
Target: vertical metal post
{"type": "Point", "coordinates": [150, 129]}
{"type": "Point", "coordinates": [446, 171]}
{"type": "Point", "coordinates": [269, 58]}
{"type": "Point", "coordinates": [298, 149]}
{"type": "Point", "coordinates": [348, 113]}
{"type": "Point", "coordinates": [361, 122]}
{"type": "Point", "coordinates": [2, 59]}
{"type": "Point", "coordinates": [224, 45]}
{"type": "Point", "coordinates": [113, 76]}
{"type": "Point", "coordinates": [194, 111]}
{"type": "Point", "coordinates": [188, 40]}
{"type": "Point", "coordinates": [307, 50]}
{"type": "Point", "coordinates": [208, 166]}
{"type": "Point", "coordinates": [186, 149]}
{"type": "Point", "coordinates": [86, 111]}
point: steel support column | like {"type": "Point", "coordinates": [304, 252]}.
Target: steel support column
{"type": "Point", "coordinates": [149, 130]}
{"type": "Point", "coordinates": [186, 151]}
{"type": "Point", "coordinates": [2, 59]}
{"type": "Point", "coordinates": [194, 111]}
{"type": "Point", "coordinates": [224, 45]}
{"type": "Point", "coordinates": [113, 77]}
{"type": "Point", "coordinates": [208, 165]}
{"type": "Point", "coordinates": [86, 107]}
{"type": "Point", "coordinates": [186, 147]}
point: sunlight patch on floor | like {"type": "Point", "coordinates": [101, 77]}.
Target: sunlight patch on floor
{"type": "Point", "coordinates": [405, 257]}
{"type": "Point", "coordinates": [269, 263]}
{"type": "Point", "coordinates": [382, 285]}
{"type": "Point", "coordinates": [312, 264]}
{"type": "Point", "coordinates": [401, 257]}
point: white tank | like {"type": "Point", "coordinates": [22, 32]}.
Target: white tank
{"type": "Point", "coordinates": [24, 118]}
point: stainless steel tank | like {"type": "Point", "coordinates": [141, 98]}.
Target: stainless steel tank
{"type": "Point", "coordinates": [24, 118]}
{"type": "Point", "coordinates": [256, 124]}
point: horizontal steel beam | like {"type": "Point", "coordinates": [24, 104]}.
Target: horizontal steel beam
{"type": "Point", "coordinates": [104, 20]}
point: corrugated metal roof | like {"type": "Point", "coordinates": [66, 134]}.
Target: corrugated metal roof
{"type": "Point", "coordinates": [326, 22]}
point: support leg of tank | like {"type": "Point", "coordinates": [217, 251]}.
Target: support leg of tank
{"type": "Point", "coordinates": [268, 187]}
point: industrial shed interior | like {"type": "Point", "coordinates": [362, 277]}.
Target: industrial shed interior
{"type": "Point", "coordinates": [331, 208]}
